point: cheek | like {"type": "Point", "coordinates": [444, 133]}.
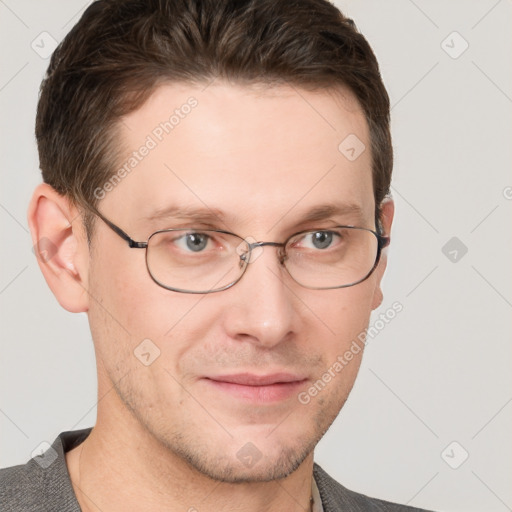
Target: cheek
{"type": "Point", "coordinates": [347, 311]}
{"type": "Point", "coordinates": [121, 283]}
{"type": "Point", "coordinates": [118, 285]}
{"type": "Point", "coordinates": [129, 309]}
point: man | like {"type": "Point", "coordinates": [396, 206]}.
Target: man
{"type": "Point", "coordinates": [215, 198]}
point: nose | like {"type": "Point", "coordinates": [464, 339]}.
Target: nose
{"type": "Point", "coordinates": [261, 305]}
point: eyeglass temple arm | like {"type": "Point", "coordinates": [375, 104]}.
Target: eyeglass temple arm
{"type": "Point", "coordinates": [132, 243]}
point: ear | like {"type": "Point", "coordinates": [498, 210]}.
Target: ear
{"type": "Point", "coordinates": [387, 212]}
{"type": "Point", "coordinates": [60, 245]}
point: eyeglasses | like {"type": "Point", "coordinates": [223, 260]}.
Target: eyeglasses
{"type": "Point", "coordinates": [189, 260]}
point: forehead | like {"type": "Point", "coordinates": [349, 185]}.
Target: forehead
{"type": "Point", "coordinates": [254, 152]}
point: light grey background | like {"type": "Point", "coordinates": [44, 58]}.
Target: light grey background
{"type": "Point", "coordinates": [440, 371]}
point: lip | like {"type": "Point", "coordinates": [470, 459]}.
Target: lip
{"type": "Point", "coordinates": [258, 388]}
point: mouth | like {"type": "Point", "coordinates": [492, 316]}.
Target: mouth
{"type": "Point", "coordinates": [258, 388]}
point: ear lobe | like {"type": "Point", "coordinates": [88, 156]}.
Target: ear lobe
{"type": "Point", "coordinates": [60, 247]}
{"type": "Point", "coordinates": [378, 297]}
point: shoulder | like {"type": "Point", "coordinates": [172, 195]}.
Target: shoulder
{"type": "Point", "coordinates": [335, 497]}
{"type": "Point", "coordinates": [15, 491]}
{"type": "Point", "coordinates": [42, 483]}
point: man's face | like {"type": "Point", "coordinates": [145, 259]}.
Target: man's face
{"type": "Point", "coordinates": [260, 160]}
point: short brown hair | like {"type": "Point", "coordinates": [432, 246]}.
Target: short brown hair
{"type": "Point", "coordinates": [121, 50]}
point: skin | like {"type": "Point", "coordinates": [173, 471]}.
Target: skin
{"type": "Point", "coordinates": [165, 437]}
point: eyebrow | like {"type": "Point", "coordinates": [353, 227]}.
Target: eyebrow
{"type": "Point", "coordinates": [326, 211]}
{"type": "Point", "coordinates": [214, 216]}
{"type": "Point", "coordinates": [205, 215]}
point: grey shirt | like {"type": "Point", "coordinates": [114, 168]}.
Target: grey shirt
{"type": "Point", "coordinates": [43, 485]}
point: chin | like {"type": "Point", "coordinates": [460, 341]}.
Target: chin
{"type": "Point", "coordinates": [245, 464]}
{"type": "Point", "coordinates": [263, 470]}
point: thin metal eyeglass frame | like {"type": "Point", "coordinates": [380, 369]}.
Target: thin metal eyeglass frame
{"type": "Point", "coordinates": [382, 242]}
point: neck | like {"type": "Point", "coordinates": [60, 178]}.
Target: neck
{"type": "Point", "coordinates": [122, 467]}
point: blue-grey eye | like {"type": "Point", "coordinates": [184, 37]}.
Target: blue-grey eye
{"type": "Point", "coordinates": [197, 241]}
{"type": "Point", "coordinates": [194, 242]}
{"type": "Point", "coordinates": [321, 239]}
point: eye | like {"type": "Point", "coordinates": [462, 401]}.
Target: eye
{"type": "Point", "coordinates": [195, 242]}
{"type": "Point", "coordinates": [318, 240]}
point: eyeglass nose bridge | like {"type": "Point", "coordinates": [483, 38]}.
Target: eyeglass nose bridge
{"type": "Point", "coordinates": [251, 255]}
